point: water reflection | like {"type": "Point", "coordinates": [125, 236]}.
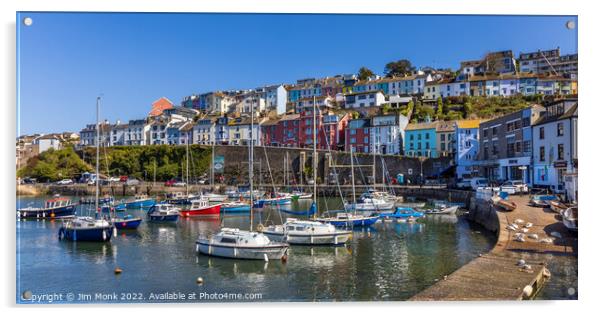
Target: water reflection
{"type": "Point", "coordinates": [387, 261]}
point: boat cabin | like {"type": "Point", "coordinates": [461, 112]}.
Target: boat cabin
{"type": "Point", "coordinates": [57, 202]}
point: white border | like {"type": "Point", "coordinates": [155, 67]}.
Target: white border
{"type": "Point", "coordinates": [589, 51]}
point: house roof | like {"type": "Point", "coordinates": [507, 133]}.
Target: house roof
{"type": "Point", "coordinates": [421, 126]}
{"type": "Point", "coordinates": [446, 126]}
{"type": "Point", "coordinates": [468, 123]}
{"type": "Point", "coordinates": [569, 113]}
{"type": "Point", "coordinates": [159, 106]}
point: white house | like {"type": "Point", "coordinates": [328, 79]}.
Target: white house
{"type": "Point", "coordinates": [45, 142]}
{"type": "Point", "coordinates": [502, 86]}
{"type": "Point", "coordinates": [276, 98]}
{"type": "Point", "coordinates": [387, 133]}
{"type": "Point", "coordinates": [137, 133]}
{"type": "Point", "coordinates": [364, 99]}
{"type": "Point", "coordinates": [203, 132]}
{"type": "Point", "coordinates": [240, 131]}
{"type": "Point", "coordinates": [118, 132]}
{"type": "Point", "coordinates": [555, 145]}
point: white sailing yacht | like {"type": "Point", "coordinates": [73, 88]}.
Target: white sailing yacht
{"type": "Point", "coordinates": [242, 244]}
{"type": "Point", "coordinates": [308, 232]}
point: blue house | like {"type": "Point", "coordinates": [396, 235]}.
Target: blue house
{"type": "Point", "coordinates": [421, 140]}
{"type": "Point", "coordinates": [467, 148]}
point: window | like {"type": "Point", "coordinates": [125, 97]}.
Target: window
{"type": "Point", "coordinates": [542, 153]}
{"type": "Point", "coordinates": [494, 131]}
{"type": "Point", "coordinates": [494, 148]}
{"type": "Point", "coordinates": [560, 129]}
{"type": "Point", "coordinates": [517, 147]}
{"type": "Point", "coordinates": [560, 151]}
{"type": "Point", "coordinates": [353, 131]}
{"type": "Point", "coordinates": [442, 137]}
{"type": "Point", "coordinates": [411, 136]}
{"type": "Point", "coordinates": [541, 133]}
{"type": "Point", "coordinates": [426, 136]}
{"type": "Point", "coordinates": [485, 132]}
{"type": "Point", "coordinates": [527, 146]}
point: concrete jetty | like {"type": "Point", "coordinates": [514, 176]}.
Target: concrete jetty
{"type": "Point", "coordinates": [497, 275]}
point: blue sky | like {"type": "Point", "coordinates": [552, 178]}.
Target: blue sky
{"type": "Point", "coordinates": [67, 59]}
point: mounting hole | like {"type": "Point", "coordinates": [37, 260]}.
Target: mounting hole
{"type": "Point", "coordinates": [570, 25]}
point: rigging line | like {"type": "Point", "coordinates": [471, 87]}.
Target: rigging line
{"type": "Point", "coordinates": [333, 167]}
{"type": "Point", "coordinates": [362, 174]}
{"type": "Point", "coordinates": [265, 152]}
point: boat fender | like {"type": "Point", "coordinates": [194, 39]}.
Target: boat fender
{"type": "Point", "coordinates": [260, 228]}
{"type": "Point", "coordinates": [284, 258]}
{"type": "Point", "coordinates": [115, 230]}
{"type": "Point", "coordinates": [61, 232]}
{"type": "Point", "coordinates": [104, 235]}
{"type": "Point", "coordinates": [265, 257]}
{"type": "Point", "coordinates": [527, 291]}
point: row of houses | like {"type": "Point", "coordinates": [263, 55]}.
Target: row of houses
{"type": "Point", "coordinates": [28, 146]}
{"type": "Point", "coordinates": [496, 74]}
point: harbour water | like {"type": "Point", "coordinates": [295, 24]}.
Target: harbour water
{"type": "Point", "coordinates": [389, 261]}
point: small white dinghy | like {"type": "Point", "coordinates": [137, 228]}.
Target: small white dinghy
{"type": "Point", "coordinates": [569, 218]}
{"type": "Point", "coordinates": [241, 244]}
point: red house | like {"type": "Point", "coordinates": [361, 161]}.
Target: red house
{"type": "Point", "coordinates": [283, 132]}
{"type": "Point", "coordinates": [357, 135]}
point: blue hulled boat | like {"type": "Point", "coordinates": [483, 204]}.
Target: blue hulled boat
{"type": "Point", "coordinates": [350, 220]}
{"type": "Point", "coordinates": [236, 207]}
{"type": "Point", "coordinates": [138, 202]}
{"type": "Point", "coordinates": [86, 229]}
{"type": "Point", "coordinates": [402, 213]}
{"type": "Point", "coordinates": [127, 222]}
{"type": "Point", "coordinates": [163, 212]}
{"type": "Point", "coordinates": [311, 211]}
{"type": "Point", "coordinates": [54, 208]}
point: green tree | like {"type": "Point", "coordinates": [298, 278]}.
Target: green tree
{"type": "Point", "coordinates": [439, 108]}
{"type": "Point", "coordinates": [364, 73]}
{"type": "Point", "coordinates": [401, 67]}
{"type": "Point", "coordinates": [410, 108]}
{"type": "Point", "coordinates": [386, 108]}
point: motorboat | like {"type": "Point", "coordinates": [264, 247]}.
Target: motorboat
{"type": "Point", "coordinates": [569, 218]}
{"type": "Point", "coordinates": [542, 200]}
{"type": "Point", "coordinates": [236, 207]}
{"type": "Point", "coordinates": [557, 206]}
{"type": "Point", "coordinates": [345, 219]}
{"type": "Point", "coordinates": [107, 199]}
{"type": "Point", "coordinates": [300, 195]}
{"type": "Point", "coordinates": [401, 214]}
{"type": "Point", "coordinates": [86, 228]}
{"type": "Point", "coordinates": [368, 205]}
{"type": "Point", "coordinates": [306, 232]}
{"type": "Point", "coordinates": [163, 212]}
{"type": "Point", "coordinates": [179, 198]}
{"type": "Point", "coordinates": [201, 207]}
{"type": "Point", "coordinates": [503, 204]}
{"type": "Point", "coordinates": [59, 207]}
{"type": "Point", "coordinates": [442, 210]}
{"type": "Point", "coordinates": [213, 197]}
{"type": "Point", "coordinates": [126, 222]}
{"type": "Point", "coordinates": [139, 201]}
{"type": "Point", "coordinates": [241, 244]}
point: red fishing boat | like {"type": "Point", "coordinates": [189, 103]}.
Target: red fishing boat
{"type": "Point", "coordinates": [201, 207]}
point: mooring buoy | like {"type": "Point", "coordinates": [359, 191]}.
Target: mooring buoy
{"type": "Point", "coordinates": [199, 280]}
{"type": "Point", "coordinates": [118, 270]}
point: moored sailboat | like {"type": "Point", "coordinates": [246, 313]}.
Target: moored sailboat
{"type": "Point", "coordinates": [53, 208]}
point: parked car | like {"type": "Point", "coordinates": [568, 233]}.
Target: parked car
{"type": "Point", "coordinates": [463, 184]}
{"type": "Point", "coordinates": [114, 179]}
{"type": "Point", "coordinates": [123, 178]}
{"type": "Point", "coordinates": [179, 184]}
{"type": "Point", "coordinates": [476, 183]}
{"type": "Point", "coordinates": [29, 181]}
{"type": "Point", "coordinates": [133, 182]}
{"type": "Point", "coordinates": [514, 187]}
{"type": "Point", "coordinates": [65, 182]}
{"type": "Point", "coordinates": [170, 183]}
{"type": "Point", "coordinates": [203, 181]}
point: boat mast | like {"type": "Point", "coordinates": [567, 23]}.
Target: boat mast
{"type": "Point", "coordinates": [187, 178]}
{"type": "Point", "coordinates": [251, 169]}
{"type": "Point", "coordinates": [374, 160]}
{"type": "Point", "coordinates": [315, 160]}
{"type": "Point", "coordinates": [97, 151]}
{"type": "Point", "coordinates": [212, 164]}
{"type": "Point", "coordinates": [352, 176]}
